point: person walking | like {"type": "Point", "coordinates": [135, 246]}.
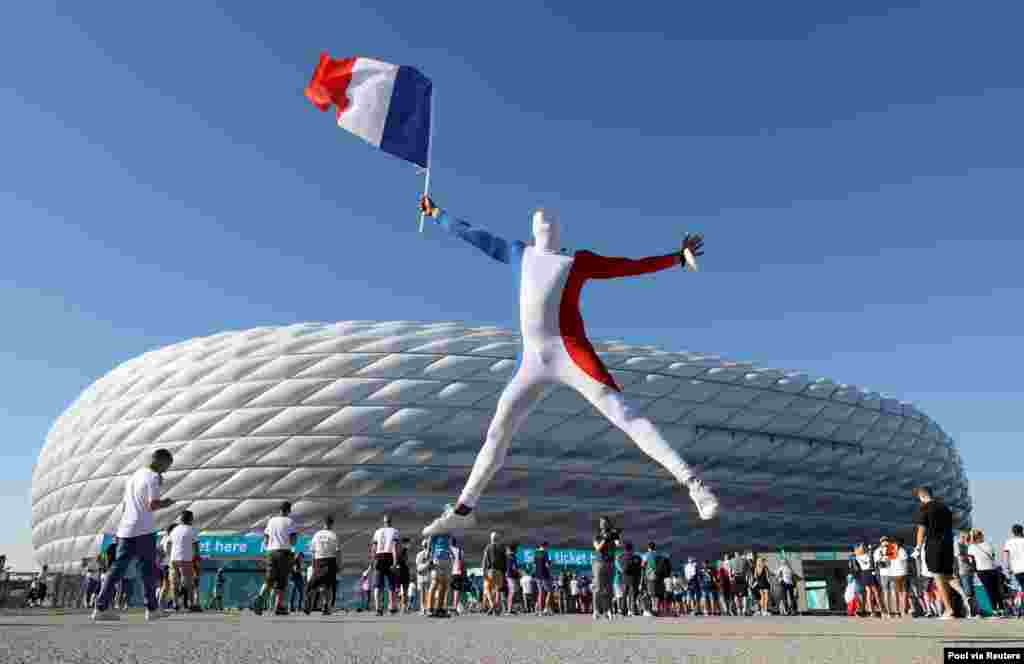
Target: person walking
{"type": "Point", "coordinates": [184, 546]}
{"type": "Point", "coordinates": [511, 575]}
{"type": "Point", "coordinates": [966, 572]}
{"type": "Point", "coordinates": [934, 524]}
{"type": "Point", "coordinates": [423, 568]}
{"type": "Point", "coordinates": [1013, 553]}
{"type": "Point", "coordinates": [326, 550]}
{"type": "Point", "coordinates": [458, 582]}
{"type": "Point", "coordinates": [605, 541]}
{"type": "Point", "coordinates": [545, 586]}
{"type": "Point", "coordinates": [279, 537]}
{"type": "Point", "coordinates": [384, 548]}
{"type": "Point", "coordinates": [984, 555]}
{"type": "Point", "coordinates": [868, 578]}
{"type": "Point", "coordinates": [441, 559]}
{"type": "Point", "coordinates": [298, 584]}
{"type": "Point", "coordinates": [494, 562]}
{"type": "Point", "coordinates": [762, 584]}
{"type": "Point", "coordinates": [135, 535]}
{"type": "Point", "coordinates": [403, 575]}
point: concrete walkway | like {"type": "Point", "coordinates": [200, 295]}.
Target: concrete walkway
{"type": "Point", "coordinates": [360, 638]}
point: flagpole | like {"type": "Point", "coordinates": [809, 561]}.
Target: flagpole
{"type": "Point", "coordinates": [430, 150]}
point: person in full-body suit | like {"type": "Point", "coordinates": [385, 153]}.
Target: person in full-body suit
{"type": "Point", "coordinates": [556, 351]}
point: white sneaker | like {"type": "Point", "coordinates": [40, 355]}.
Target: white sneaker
{"type": "Point", "coordinates": [154, 615]}
{"type": "Point", "coordinates": [449, 521]}
{"type": "Point", "coordinates": [597, 616]}
{"type": "Point", "coordinates": [648, 614]}
{"type": "Point", "coordinates": [104, 616]}
{"type": "Point", "coordinates": [610, 615]}
{"type": "Point", "coordinates": [703, 498]}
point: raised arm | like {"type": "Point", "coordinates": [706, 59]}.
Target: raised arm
{"type": "Point", "coordinates": [496, 247]}
{"type": "Point", "coordinates": [595, 266]}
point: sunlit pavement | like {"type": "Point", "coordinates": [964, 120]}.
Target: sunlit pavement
{"type": "Point", "coordinates": [216, 638]}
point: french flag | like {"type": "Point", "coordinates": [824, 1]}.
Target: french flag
{"type": "Point", "coordinates": [386, 105]}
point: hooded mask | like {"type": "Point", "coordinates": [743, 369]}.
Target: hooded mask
{"type": "Point", "coordinates": [546, 233]}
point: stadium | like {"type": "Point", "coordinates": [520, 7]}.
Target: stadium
{"type": "Point", "coordinates": [362, 418]}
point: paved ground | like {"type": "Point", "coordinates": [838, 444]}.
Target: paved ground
{"type": "Point", "coordinates": [360, 638]}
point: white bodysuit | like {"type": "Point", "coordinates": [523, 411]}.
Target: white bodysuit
{"type": "Point", "coordinates": [556, 350]}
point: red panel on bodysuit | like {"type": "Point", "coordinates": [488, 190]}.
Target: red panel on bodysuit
{"type": "Point", "coordinates": [588, 265]}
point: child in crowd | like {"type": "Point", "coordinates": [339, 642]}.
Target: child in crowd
{"type": "Point", "coordinates": [852, 596]}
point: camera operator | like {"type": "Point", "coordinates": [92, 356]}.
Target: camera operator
{"type": "Point", "coordinates": [605, 541]}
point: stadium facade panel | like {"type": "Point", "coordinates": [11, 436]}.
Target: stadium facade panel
{"type": "Point", "coordinates": [359, 418]}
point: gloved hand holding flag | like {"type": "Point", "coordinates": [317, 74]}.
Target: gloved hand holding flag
{"type": "Point", "coordinates": [388, 106]}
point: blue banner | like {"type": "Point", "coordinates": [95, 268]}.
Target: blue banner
{"type": "Point", "coordinates": [235, 546]}
{"type": "Point", "coordinates": [562, 557]}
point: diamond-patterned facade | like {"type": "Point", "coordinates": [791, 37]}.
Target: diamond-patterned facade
{"type": "Point", "coordinates": [360, 417]}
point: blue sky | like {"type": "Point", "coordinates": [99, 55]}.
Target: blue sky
{"type": "Point", "coordinates": [857, 174]}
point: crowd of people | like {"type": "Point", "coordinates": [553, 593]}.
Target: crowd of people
{"type": "Point", "coordinates": [934, 577]}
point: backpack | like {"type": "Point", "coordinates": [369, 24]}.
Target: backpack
{"type": "Point", "coordinates": [651, 567]}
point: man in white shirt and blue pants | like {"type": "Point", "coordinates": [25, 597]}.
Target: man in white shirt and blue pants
{"type": "Point", "coordinates": [136, 536]}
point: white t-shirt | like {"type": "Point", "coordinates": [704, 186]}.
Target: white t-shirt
{"type": "Point", "coordinates": [527, 583]}
{"type": "Point", "coordinates": [137, 518]}
{"type": "Point", "coordinates": [898, 567]}
{"type": "Point", "coordinates": [324, 544]}
{"type": "Point", "coordinates": [182, 539]}
{"type": "Point", "coordinates": [785, 573]}
{"type": "Point", "coordinates": [165, 547]}
{"type": "Point", "coordinates": [384, 539]}
{"type": "Point", "coordinates": [879, 556]}
{"type": "Point", "coordinates": [423, 563]}
{"type": "Point", "coordinates": [984, 556]}
{"type": "Point", "coordinates": [1015, 547]}
{"type": "Point", "coordinates": [690, 570]}
{"type": "Point", "coordinates": [279, 531]}
{"type": "Point", "coordinates": [574, 587]}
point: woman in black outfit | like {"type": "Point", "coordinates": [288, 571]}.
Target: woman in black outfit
{"type": "Point", "coordinates": [762, 584]}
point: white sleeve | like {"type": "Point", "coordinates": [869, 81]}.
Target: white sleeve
{"type": "Point", "coordinates": [152, 488]}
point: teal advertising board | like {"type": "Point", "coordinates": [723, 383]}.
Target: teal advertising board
{"type": "Point", "coordinates": [560, 557]}
{"type": "Point", "coordinates": [226, 547]}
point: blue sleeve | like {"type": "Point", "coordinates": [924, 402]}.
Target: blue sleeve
{"type": "Point", "coordinates": [496, 247]}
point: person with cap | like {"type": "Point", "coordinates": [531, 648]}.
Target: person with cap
{"type": "Point", "coordinates": [556, 351]}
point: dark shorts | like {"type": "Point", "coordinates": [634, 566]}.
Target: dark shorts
{"type": "Point", "coordinates": [656, 588]}
{"type": "Point", "coordinates": [939, 558]}
{"type": "Point", "coordinates": [325, 572]}
{"type": "Point", "coordinates": [279, 567]}
{"type": "Point", "coordinates": [867, 579]}
{"type": "Point", "coordinates": [383, 565]}
{"type": "Point", "coordinates": [404, 578]}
